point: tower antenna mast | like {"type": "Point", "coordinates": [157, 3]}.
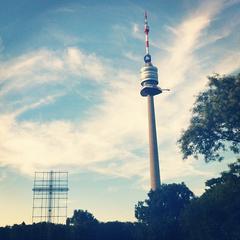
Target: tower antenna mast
{"type": "Point", "coordinates": [146, 30]}
{"type": "Point", "coordinates": [149, 83]}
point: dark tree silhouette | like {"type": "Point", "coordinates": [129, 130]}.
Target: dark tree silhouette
{"type": "Point", "coordinates": [216, 214]}
{"type": "Point", "coordinates": [117, 231]}
{"type": "Point", "coordinates": [215, 122]}
{"type": "Point", "coordinates": [84, 225]}
{"type": "Point", "coordinates": [82, 218]}
{"type": "Point", "coordinates": [161, 211]}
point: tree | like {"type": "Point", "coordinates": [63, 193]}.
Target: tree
{"type": "Point", "coordinates": [215, 123]}
{"type": "Point", "coordinates": [216, 214]}
{"type": "Point", "coordinates": [117, 231]}
{"type": "Point", "coordinates": [81, 218]}
{"type": "Point", "coordinates": [161, 211]}
{"type": "Point", "coordinates": [85, 225]}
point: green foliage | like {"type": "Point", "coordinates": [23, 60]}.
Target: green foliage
{"type": "Point", "coordinates": [215, 122]}
{"type": "Point", "coordinates": [227, 177]}
{"type": "Point", "coordinates": [216, 214]}
{"type": "Point", "coordinates": [39, 231]}
{"type": "Point", "coordinates": [161, 211]}
{"type": "Point", "coordinates": [84, 224]}
{"type": "Point", "coordinates": [118, 231]}
{"type": "Point", "coordinates": [82, 218]}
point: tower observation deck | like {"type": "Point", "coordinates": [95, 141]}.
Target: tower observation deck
{"type": "Point", "coordinates": [149, 88]}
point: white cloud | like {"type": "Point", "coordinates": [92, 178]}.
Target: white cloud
{"type": "Point", "coordinates": [133, 57]}
{"type": "Point", "coordinates": [44, 101]}
{"type": "Point", "coordinates": [44, 67]}
{"type": "Point", "coordinates": [85, 65]}
{"type": "Point", "coordinates": [181, 59]}
{"type": "Point", "coordinates": [228, 64]}
{"type": "Point", "coordinates": [135, 28]}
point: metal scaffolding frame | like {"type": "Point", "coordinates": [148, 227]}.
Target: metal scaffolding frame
{"type": "Point", "coordinates": [50, 194]}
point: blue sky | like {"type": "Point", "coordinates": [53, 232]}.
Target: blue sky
{"type": "Point", "coordinates": [69, 93]}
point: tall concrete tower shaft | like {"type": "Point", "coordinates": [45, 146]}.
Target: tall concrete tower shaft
{"type": "Point", "coordinates": [149, 82]}
{"type": "Point", "coordinates": [153, 146]}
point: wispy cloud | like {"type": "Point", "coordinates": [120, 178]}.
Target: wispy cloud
{"type": "Point", "coordinates": [135, 28]}
{"type": "Point", "coordinates": [133, 57]}
{"type": "Point", "coordinates": [185, 41]}
{"type": "Point", "coordinates": [45, 67]}
{"type": "Point", "coordinates": [228, 64]}
{"type": "Point", "coordinates": [41, 102]}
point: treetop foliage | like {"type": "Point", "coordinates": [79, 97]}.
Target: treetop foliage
{"type": "Point", "coordinates": [215, 123]}
{"type": "Point", "coordinates": [231, 176]}
{"type": "Point", "coordinates": [81, 217]}
{"type": "Point", "coordinates": [166, 201]}
{"type": "Point", "coordinates": [216, 214]}
{"type": "Point", "coordinates": [161, 211]}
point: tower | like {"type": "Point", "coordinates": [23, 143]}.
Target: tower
{"type": "Point", "coordinates": [50, 193]}
{"type": "Point", "coordinates": [149, 82]}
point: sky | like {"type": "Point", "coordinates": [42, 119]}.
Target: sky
{"type": "Point", "coordinates": [70, 101]}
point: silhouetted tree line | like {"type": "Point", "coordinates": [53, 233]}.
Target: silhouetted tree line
{"type": "Point", "coordinates": [170, 213]}
{"type": "Point", "coordinates": [81, 231]}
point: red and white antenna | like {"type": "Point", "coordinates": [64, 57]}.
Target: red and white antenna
{"type": "Point", "coordinates": [146, 30]}
{"type": "Point", "coordinates": [147, 57]}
